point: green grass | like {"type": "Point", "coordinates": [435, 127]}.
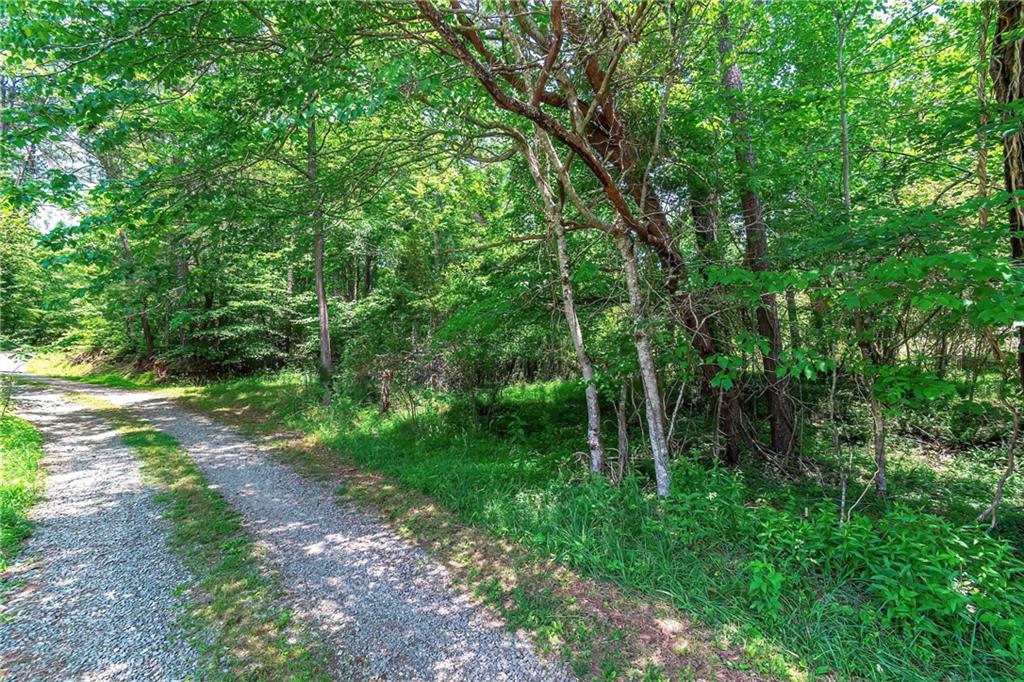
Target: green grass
{"type": "Point", "coordinates": [234, 614]}
{"type": "Point", "coordinates": [766, 565]}
{"type": "Point", "coordinates": [59, 364]}
{"type": "Point", "coordinates": [21, 482]}
{"type": "Point", "coordinates": [910, 590]}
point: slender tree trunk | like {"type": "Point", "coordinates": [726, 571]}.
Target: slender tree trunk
{"type": "Point", "coordinates": [782, 417]}
{"type": "Point", "coordinates": [648, 367]}
{"type": "Point", "coordinates": [387, 378]}
{"type": "Point", "coordinates": [878, 441]}
{"type": "Point", "coordinates": [325, 365]}
{"type": "Point", "coordinates": [870, 354]}
{"type": "Point", "coordinates": [321, 300]}
{"type": "Point", "coordinates": [704, 209]}
{"type": "Point", "coordinates": [795, 341]}
{"type": "Point", "coordinates": [867, 346]}
{"type": "Point", "coordinates": [355, 278]}
{"type": "Point", "coordinates": [553, 210]}
{"type": "Point", "coordinates": [622, 422]}
{"type": "Point", "coordinates": [181, 303]}
{"type": "Point", "coordinates": [289, 293]}
{"type": "Point", "coordinates": [586, 366]}
{"type": "Point", "coordinates": [697, 323]}
{"type": "Point", "coordinates": [147, 331]}
{"type": "Point", "coordinates": [1008, 81]}
{"type": "Point", "coordinates": [983, 120]}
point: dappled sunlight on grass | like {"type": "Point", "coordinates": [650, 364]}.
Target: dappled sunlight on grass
{"type": "Point", "coordinates": [513, 470]}
{"type": "Point", "coordinates": [60, 365]}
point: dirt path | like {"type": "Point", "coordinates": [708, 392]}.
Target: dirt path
{"type": "Point", "coordinates": [94, 593]}
{"type": "Point", "coordinates": [383, 604]}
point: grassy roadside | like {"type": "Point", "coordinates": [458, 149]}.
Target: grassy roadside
{"type": "Point", "coordinates": [604, 574]}
{"type": "Point", "coordinates": [233, 613]}
{"type": "Point", "coordinates": [21, 482]}
{"type": "Point", "coordinates": [93, 372]}
{"type": "Point", "coordinates": [603, 631]}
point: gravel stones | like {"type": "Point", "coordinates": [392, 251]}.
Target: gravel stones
{"type": "Point", "coordinates": [387, 609]}
{"type": "Point", "coordinates": [94, 590]}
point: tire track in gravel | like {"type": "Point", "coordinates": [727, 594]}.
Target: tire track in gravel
{"type": "Point", "coordinates": [387, 609]}
{"type": "Point", "coordinates": [93, 595]}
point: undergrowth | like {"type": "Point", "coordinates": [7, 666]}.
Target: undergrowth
{"type": "Point", "coordinates": [21, 482]}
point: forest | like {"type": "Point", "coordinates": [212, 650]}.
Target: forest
{"type": "Point", "coordinates": [717, 303]}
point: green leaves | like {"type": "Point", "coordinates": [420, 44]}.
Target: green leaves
{"type": "Point", "coordinates": [907, 386]}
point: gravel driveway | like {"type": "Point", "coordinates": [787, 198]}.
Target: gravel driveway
{"type": "Point", "coordinates": [386, 608]}
{"type": "Point", "coordinates": [97, 601]}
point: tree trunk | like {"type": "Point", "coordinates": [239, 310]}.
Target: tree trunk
{"type": "Point", "coordinates": [553, 210]}
{"type": "Point", "coordinates": [943, 360]}
{"type": "Point", "coordinates": [586, 366]}
{"type": "Point", "coordinates": [878, 441]}
{"type": "Point", "coordinates": [868, 348]}
{"type": "Point", "coordinates": [794, 319]}
{"type": "Point", "coordinates": [325, 365]}
{"type": "Point", "coordinates": [321, 301]}
{"type": "Point", "coordinates": [147, 331]}
{"type": "Point", "coordinates": [782, 418]}
{"type": "Point", "coordinates": [648, 367]}
{"type": "Point", "coordinates": [622, 422]}
{"type": "Point", "coordinates": [1008, 79]}
{"type": "Point", "coordinates": [983, 120]}
{"type": "Point", "coordinates": [289, 292]}
{"type": "Point", "coordinates": [356, 278]}
{"type": "Point", "coordinates": [181, 303]}
{"type": "Point", "coordinates": [387, 378]}
{"type": "Point", "coordinates": [704, 209]}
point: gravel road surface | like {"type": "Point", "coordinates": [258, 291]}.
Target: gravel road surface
{"type": "Point", "coordinates": [93, 594]}
{"type": "Point", "coordinates": [387, 609]}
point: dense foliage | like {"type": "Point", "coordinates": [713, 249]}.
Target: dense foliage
{"type": "Point", "coordinates": [766, 257]}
